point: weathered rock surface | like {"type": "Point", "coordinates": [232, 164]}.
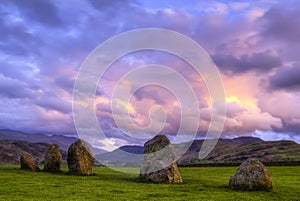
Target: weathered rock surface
{"type": "Point", "coordinates": [251, 175]}
{"type": "Point", "coordinates": [27, 162]}
{"type": "Point", "coordinates": [80, 159]}
{"type": "Point", "coordinates": [159, 165]}
{"type": "Point", "coordinates": [52, 159]}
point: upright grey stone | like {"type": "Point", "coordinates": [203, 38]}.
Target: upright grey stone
{"type": "Point", "coordinates": [80, 159]}
{"type": "Point", "coordinates": [251, 175]}
{"type": "Point", "coordinates": [52, 159]}
{"type": "Point", "coordinates": [159, 165]}
{"type": "Point", "coordinates": [27, 162]}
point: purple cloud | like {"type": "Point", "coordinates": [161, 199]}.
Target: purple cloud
{"type": "Point", "coordinates": [261, 62]}
{"type": "Point", "coordinates": [282, 23]}
{"type": "Point", "coordinates": [286, 78]}
{"type": "Point", "coordinates": [43, 12]}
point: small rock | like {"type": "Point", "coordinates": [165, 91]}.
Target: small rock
{"type": "Point", "coordinates": [53, 159]}
{"type": "Point", "coordinates": [251, 175]}
{"type": "Point", "coordinates": [159, 165]}
{"type": "Point", "coordinates": [80, 159]}
{"type": "Point", "coordinates": [28, 162]}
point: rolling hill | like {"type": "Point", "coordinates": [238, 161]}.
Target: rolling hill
{"type": "Point", "coordinates": [122, 156]}
{"type": "Point", "coordinates": [11, 150]}
{"type": "Point", "coordinates": [226, 151]}
{"type": "Point", "coordinates": [13, 143]}
{"type": "Point", "coordinates": [239, 149]}
{"type": "Point", "coordinates": [63, 141]}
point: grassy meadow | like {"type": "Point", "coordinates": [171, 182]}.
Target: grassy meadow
{"type": "Point", "coordinates": [201, 183]}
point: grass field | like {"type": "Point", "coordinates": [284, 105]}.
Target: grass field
{"type": "Point", "coordinates": [210, 183]}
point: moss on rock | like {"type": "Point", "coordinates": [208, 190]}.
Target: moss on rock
{"type": "Point", "coordinates": [27, 162]}
{"type": "Point", "coordinates": [80, 159]}
{"type": "Point", "coordinates": [53, 159]}
{"type": "Point", "coordinates": [251, 175]}
{"type": "Point", "coordinates": [159, 165]}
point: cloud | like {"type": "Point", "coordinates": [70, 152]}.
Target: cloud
{"type": "Point", "coordinates": [43, 12]}
{"type": "Point", "coordinates": [233, 109]}
{"type": "Point", "coordinates": [212, 7]}
{"type": "Point", "coordinates": [65, 83]}
{"type": "Point", "coordinates": [21, 114]}
{"type": "Point", "coordinates": [252, 121]}
{"type": "Point", "coordinates": [54, 103]}
{"type": "Point", "coordinates": [260, 62]}
{"type": "Point", "coordinates": [242, 119]}
{"type": "Point", "coordinates": [282, 23]}
{"type": "Point", "coordinates": [239, 5]}
{"type": "Point", "coordinates": [153, 93]}
{"type": "Point", "coordinates": [286, 78]}
{"type": "Point", "coordinates": [13, 88]}
{"type": "Point", "coordinates": [17, 39]}
{"type": "Point", "coordinates": [271, 136]}
{"type": "Point", "coordinates": [112, 4]}
{"type": "Point", "coordinates": [282, 104]}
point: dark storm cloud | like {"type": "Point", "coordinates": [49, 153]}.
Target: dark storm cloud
{"type": "Point", "coordinates": [17, 39]}
{"type": "Point", "coordinates": [53, 102]}
{"type": "Point", "coordinates": [65, 83]}
{"type": "Point", "coordinates": [21, 73]}
{"type": "Point", "coordinates": [15, 30]}
{"type": "Point", "coordinates": [12, 88]}
{"type": "Point", "coordinates": [282, 23]}
{"type": "Point", "coordinates": [13, 71]}
{"type": "Point", "coordinates": [286, 78]}
{"type": "Point", "coordinates": [41, 11]}
{"type": "Point", "coordinates": [103, 4]}
{"type": "Point", "coordinates": [287, 127]}
{"type": "Point", "coordinates": [16, 89]}
{"type": "Point", "coordinates": [260, 62]}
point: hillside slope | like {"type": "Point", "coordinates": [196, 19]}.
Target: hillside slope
{"type": "Point", "coordinates": [63, 141]}
{"type": "Point", "coordinates": [123, 156]}
{"type": "Point", "coordinates": [11, 150]}
{"type": "Point", "coordinates": [236, 151]}
{"type": "Point", "coordinates": [226, 151]}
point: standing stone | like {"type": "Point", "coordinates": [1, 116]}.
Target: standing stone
{"type": "Point", "coordinates": [159, 165]}
{"type": "Point", "coordinates": [251, 175]}
{"type": "Point", "coordinates": [28, 162]}
{"type": "Point", "coordinates": [80, 159]}
{"type": "Point", "coordinates": [53, 159]}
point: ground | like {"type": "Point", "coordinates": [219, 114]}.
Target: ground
{"type": "Point", "coordinates": [209, 183]}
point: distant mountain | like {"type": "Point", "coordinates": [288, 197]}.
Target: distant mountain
{"type": "Point", "coordinates": [123, 156]}
{"type": "Point", "coordinates": [133, 149]}
{"type": "Point", "coordinates": [238, 150]}
{"type": "Point", "coordinates": [13, 143]}
{"type": "Point", "coordinates": [11, 150]}
{"type": "Point", "coordinates": [222, 147]}
{"type": "Point", "coordinates": [226, 151]}
{"type": "Point", "coordinates": [63, 141]}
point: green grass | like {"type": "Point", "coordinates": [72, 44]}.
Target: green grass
{"type": "Point", "coordinates": [210, 183]}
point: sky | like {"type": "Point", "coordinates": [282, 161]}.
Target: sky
{"type": "Point", "coordinates": [254, 44]}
